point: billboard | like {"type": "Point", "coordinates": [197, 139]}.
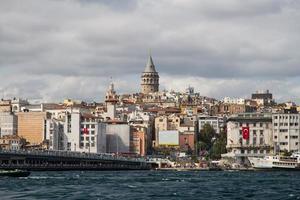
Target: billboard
{"type": "Point", "coordinates": [168, 138]}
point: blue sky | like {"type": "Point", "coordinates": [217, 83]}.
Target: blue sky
{"type": "Point", "coordinates": [52, 49]}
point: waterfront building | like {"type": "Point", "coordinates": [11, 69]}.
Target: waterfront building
{"type": "Point", "coordinates": [286, 131]}
{"type": "Point", "coordinates": [149, 78]}
{"type": "Point", "coordinates": [138, 140]}
{"type": "Point", "coordinates": [32, 126]}
{"type": "Point", "coordinates": [188, 129]}
{"type": "Point", "coordinates": [84, 132]}
{"type": "Point", "coordinates": [249, 134]}
{"type": "Point", "coordinates": [139, 119]}
{"type": "Point", "coordinates": [8, 123]}
{"type": "Point", "coordinates": [12, 142]}
{"type": "Point", "coordinates": [165, 123]}
{"type": "Point", "coordinates": [54, 134]}
{"type": "Point", "coordinates": [117, 137]}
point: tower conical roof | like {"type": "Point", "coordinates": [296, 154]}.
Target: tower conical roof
{"type": "Point", "coordinates": [150, 66]}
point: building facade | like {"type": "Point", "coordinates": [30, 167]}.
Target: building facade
{"type": "Point", "coordinates": [32, 126]}
{"type": "Point", "coordinates": [286, 131]}
{"type": "Point", "coordinates": [8, 123]}
{"type": "Point", "coordinates": [84, 133]}
{"type": "Point", "coordinates": [118, 138]}
{"type": "Point", "coordinates": [217, 123]}
{"type": "Point", "coordinates": [259, 141]}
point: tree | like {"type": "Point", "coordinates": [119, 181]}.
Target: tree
{"type": "Point", "coordinates": [219, 146]}
{"type": "Point", "coordinates": [207, 134]}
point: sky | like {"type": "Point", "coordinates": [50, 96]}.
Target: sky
{"type": "Point", "coordinates": [56, 49]}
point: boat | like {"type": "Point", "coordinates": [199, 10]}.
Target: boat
{"type": "Point", "coordinates": [276, 162]}
{"type": "Point", "coordinates": [14, 173]}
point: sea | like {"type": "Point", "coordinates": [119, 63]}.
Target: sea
{"type": "Point", "coordinates": [153, 185]}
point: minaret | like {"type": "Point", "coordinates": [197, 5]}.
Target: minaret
{"type": "Point", "coordinates": [150, 78]}
{"type": "Point", "coordinates": [111, 100]}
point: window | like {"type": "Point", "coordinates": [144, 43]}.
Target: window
{"type": "Point", "coordinates": [254, 124]}
{"type": "Point", "coordinates": [286, 137]}
{"type": "Point", "coordinates": [261, 151]}
{"type": "Point", "coordinates": [275, 137]}
{"type": "Point", "coordinates": [261, 132]}
{"type": "Point", "coordinates": [275, 124]}
{"type": "Point", "coordinates": [93, 132]}
{"type": "Point", "coordinates": [93, 138]}
{"type": "Point", "coordinates": [254, 140]}
{"type": "Point", "coordinates": [296, 143]}
{"type": "Point", "coordinates": [93, 126]}
{"type": "Point", "coordinates": [261, 124]}
{"type": "Point", "coordinates": [254, 132]}
{"type": "Point", "coordinates": [261, 140]}
{"type": "Point", "coordinates": [276, 117]}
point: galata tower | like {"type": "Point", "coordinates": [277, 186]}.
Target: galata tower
{"type": "Point", "coordinates": [150, 78]}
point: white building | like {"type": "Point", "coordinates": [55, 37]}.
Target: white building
{"type": "Point", "coordinates": [260, 141]}
{"type": "Point", "coordinates": [84, 133]}
{"type": "Point", "coordinates": [217, 123]}
{"type": "Point", "coordinates": [54, 134]}
{"type": "Point", "coordinates": [286, 131]}
{"type": "Point", "coordinates": [8, 123]}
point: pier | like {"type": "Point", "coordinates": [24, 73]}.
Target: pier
{"type": "Point", "coordinates": [64, 160]}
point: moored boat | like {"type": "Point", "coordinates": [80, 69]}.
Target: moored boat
{"type": "Point", "coordinates": [276, 162]}
{"type": "Point", "coordinates": [14, 173]}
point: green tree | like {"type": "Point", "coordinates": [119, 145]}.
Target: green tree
{"type": "Point", "coordinates": [219, 146]}
{"type": "Point", "coordinates": [206, 136]}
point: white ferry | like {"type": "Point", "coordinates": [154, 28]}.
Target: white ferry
{"type": "Point", "coordinates": [276, 162]}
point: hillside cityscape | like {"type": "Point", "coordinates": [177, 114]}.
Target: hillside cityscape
{"type": "Point", "coordinates": [178, 129]}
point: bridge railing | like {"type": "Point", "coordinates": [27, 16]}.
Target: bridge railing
{"type": "Point", "coordinates": [69, 154]}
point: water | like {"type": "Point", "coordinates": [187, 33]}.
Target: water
{"type": "Point", "coordinates": [152, 185]}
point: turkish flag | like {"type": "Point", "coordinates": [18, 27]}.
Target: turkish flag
{"type": "Point", "coordinates": [245, 131]}
{"type": "Point", "coordinates": [85, 131]}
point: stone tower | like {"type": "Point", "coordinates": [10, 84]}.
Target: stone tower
{"type": "Point", "coordinates": [150, 78]}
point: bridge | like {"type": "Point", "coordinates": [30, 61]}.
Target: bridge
{"type": "Point", "coordinates": [63, 160]}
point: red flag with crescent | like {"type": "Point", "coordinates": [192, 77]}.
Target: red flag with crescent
{"type": "Point", "coordinates": [85, 131]}
{"type": "Point", "coordinates": [245, 131]}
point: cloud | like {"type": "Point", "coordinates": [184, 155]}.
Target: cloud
{"type": "Point", "coordinates": [57, 49]}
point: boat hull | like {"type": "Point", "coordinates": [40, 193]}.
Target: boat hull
{"type": "Point", "coordinates": [15, 174]}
